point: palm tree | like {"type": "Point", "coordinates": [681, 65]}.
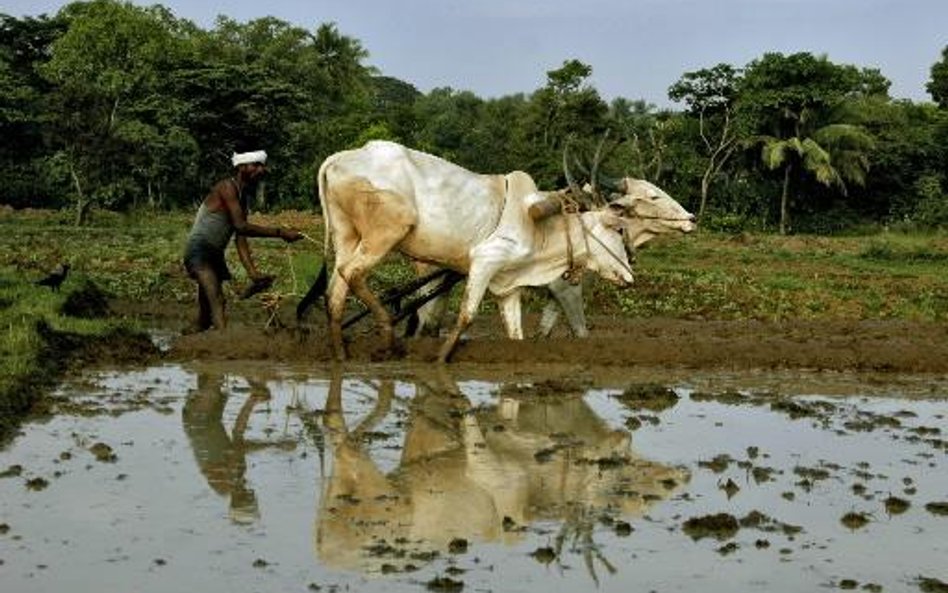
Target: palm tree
{"type": "Point", "coordinates": [833, 154]}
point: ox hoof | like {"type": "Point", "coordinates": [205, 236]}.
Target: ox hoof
{"type": "Point", "coordinates": [381, 354]}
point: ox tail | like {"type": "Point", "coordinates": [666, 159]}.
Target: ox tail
{"type": "Point", "coordinates": [322, 185]}
{"type": "Point", "coordinates": [317, 290]}
{"type": "Point", "coordinates": [319, 286]}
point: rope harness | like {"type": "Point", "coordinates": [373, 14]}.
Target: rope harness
{"type": "Point", "coordinates": [575, 270]}
{"type": "Point", "coordinates": [570, 209]}
{"type": "Point", "coordinates": [271, 300]}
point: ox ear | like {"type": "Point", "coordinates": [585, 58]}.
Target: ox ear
{"type": "Point", "coordinates": [620, 208]}
{"type": "Point", "coordinates": [613, 216]}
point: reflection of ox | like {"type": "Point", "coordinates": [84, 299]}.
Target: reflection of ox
{"type": "Point", "coordinates": [384, 197]}
{"type": "Point", "coordinates": [456, 480]}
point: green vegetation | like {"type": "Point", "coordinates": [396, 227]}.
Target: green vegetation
{"type": "Point", "coordinates": [113, 105]}
{"type": "Point", "coordinates": [38, 342]}
{"type": "Point", "coordinates": [714, 276]}
{"type": "Point", "coordinates": [710, 275]}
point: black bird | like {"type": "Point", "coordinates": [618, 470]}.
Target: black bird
{"type": "Point", "coordinates": [55, 278]}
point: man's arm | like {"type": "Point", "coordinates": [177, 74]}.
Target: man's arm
{"type": "Point", "coordinates": [245, 228]}
{"type": "Point", "coordinates": [238, 218]}
{"type": "Point", "coordinates": [246, 258]}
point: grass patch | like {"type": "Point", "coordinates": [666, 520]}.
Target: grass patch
{"type": "Point", "coordinates": [38, 342]}
{"type": "Point", "coordinates": [702, 276]}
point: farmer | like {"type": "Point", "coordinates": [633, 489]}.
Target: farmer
{"type": "Point", "coordinates": [222, 214]}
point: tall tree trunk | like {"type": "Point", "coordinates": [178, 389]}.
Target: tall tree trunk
{"type": "Point", "coordinates": [784, 199]}
{"type": "Point", "coordinates": [716, 162]}
{"type": "Point", "coordinates": [705, 184]}
{"type": "Point", "coordinates": [82, 203]}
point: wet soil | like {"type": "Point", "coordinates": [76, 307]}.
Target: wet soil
{"type": "Point", "coordinates": [422, 477]}
{"type": "Point", "coordinates": [866, 345]}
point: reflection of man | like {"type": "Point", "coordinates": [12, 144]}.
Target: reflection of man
{"type": "Point", "coordinates": [222, 458]}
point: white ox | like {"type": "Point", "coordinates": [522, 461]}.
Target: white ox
{"type": "Point", "coordinates": [385, 197]}
{"type": "Point", "coordinates": [649, 212]}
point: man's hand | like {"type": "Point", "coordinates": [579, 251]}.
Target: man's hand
{"type": "Point", "coordinates": [290, 235]}
{"type": "Point", "coordinates": [257, 284]}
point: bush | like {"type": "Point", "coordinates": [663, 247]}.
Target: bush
{"type": "Point", "coordinates": [931, 210]}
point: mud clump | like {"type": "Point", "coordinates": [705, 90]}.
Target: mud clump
{"type": "Point", "coordinates": [87, 302]}
{"type": "Point", "coordinates": [445, 585]}
{"type": "Point", "coordinates": [758, 520]}
{"type": "Point", "coordinates": [458, 546]}
{"type": "Point", "coordinates": [896, 506]}
{"type": "Point", "coordinates": [547, 388]}
{"type": "Point", "coordinates": [544, 555]}
{"type": "Point", "coordinates": [854, 520]}
{"type": "Point", "coordinates": [37, 484]}
{"type": "Point", "coordinates": [937, 508]}
{"type": "Point", "coordinates": [796, 409]}
{"type": "Point", "coordinates": [13, 471]}
{"type": "Point", "coordinates": [729, 397]}
{"type": "Point", "coordinates": [648, 396]}
{"type": "Point", "coordinates": [623, 529]}
{"type": "Point", "coordinates": [730, 488]}
{"type": "Point", "coordinates": [932, 585]}
{"type": "Point", "coordinates": [719, 464]}
{"type": "Point", "coordinates": [103, 453]}
{"type": "Point", "coordinates": [721, 526]}
{"type": "Point", "coordinates": [728, 548]}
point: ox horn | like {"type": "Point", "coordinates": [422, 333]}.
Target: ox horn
{"type": "Point", "coordinates": [614, 185]}
{"type": "Point", "coordinates": [594, 179]}
{"type": "Point", "coordinates": [573, 186]}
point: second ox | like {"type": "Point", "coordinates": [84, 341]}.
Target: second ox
{"type": "Point", "coordinates": [385, 197]}
{"type": "Point", "coordinates": [647, 213]}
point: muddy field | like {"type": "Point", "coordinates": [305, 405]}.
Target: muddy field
{"type": "Point", "coordinates": [241, 475]}
{"type": "Point", "coordinates": [658, 455]}
{"type": "Point", "coordinates": [839, 345]}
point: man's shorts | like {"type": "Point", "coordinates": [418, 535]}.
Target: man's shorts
{"type": "Point", "coordinates": [201, 255]}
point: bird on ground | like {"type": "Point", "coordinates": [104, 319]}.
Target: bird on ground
{"type": "Point", "coordinates": [55, 278]}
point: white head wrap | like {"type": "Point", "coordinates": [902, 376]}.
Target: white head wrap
{"type": "Point", "coordinates": [242, 158]}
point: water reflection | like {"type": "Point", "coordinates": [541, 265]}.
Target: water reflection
{"type": "Point", "coordinates": [483, 474]}
{"type": "Point", "coordinates": [222, 457]}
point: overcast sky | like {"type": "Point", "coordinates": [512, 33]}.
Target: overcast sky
{"type": "Point", "coordinates": [637, 48]}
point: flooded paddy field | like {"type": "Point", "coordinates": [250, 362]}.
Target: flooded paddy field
{"type": "Point", "coordinates": [246, 476]}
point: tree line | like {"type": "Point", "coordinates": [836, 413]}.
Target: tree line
{"type": "Point", "coordinates": [119, 106]}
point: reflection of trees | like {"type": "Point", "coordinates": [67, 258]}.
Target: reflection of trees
{"type": "Point", "coordinates": [477, 474]}
{"type": "Point", "coordinates": [222, 458]}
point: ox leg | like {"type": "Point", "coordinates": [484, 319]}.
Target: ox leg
{"type": "Point", "coordinates": [551, 313]}
{"type": "Point", "coordinates": [431, 314]}
{"type": "Point", "coordinates": [510, 312]}
{"type": "Point", "coordinates": [478, 278]}
{"type": "Point", "coordinates": [353, 275]}
{"type": "Point", "coordinates": [336, 307]}
{"type": "Point", "coordinates": [383, 318]}
{"type": "Point", "coordinates": [356, 269]}
{"type": "Point", "coordinates": [570, 298]}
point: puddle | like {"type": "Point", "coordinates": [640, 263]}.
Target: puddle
{"type": "Point", "coordinates": [245, 477]}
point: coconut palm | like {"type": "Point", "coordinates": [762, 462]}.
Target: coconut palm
{"type": "Point", "coordinates": [833, 154]}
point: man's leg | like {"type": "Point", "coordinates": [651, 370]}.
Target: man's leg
{"type": "Point", "coordinates": [203, 322]}
{"type": "Point", "coordinates": [211, 298]}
